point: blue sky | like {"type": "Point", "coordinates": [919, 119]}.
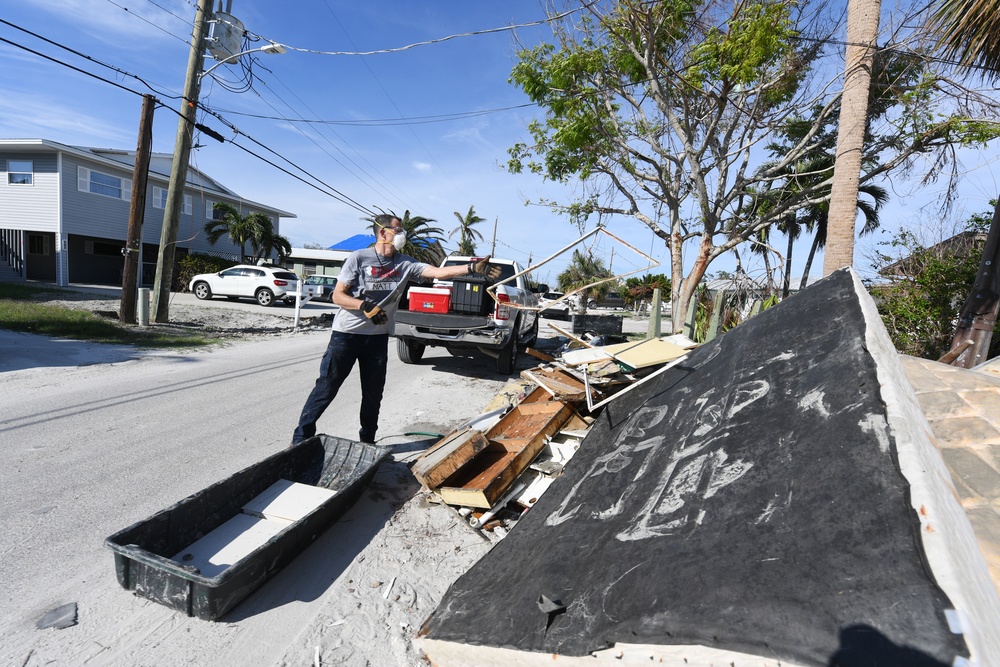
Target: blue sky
{"type": "Point", "coordinates": [366, 153]}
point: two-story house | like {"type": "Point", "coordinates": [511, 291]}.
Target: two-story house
{"type": "Point", "coordinates": [64, 212]}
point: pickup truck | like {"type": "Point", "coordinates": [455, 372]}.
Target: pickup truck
{"type": "Point", "coordinates": [473, 320]}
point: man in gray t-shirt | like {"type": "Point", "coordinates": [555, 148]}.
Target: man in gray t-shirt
{"type": "Point", "coordinates": [367, 294]}
{"type": "Point", "coordinates": [369, 276]}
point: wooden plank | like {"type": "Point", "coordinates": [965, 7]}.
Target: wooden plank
{"type": "Point", "coordinates": [555, 386]}
{"type": "Point", "coordinates": [538, 354]}
{"type": "Point", "coordinates": [570, 336]}
{"type": "Point", "coordinates": [537, 395]}
{"type": "Point", "coordinates": [586, 356]}
{"type": "Point", "coordinates": [514, 444]}
{"type": "Point", "coordinates": [448, 455]}
{"type": "Point", "coordinates": [658, 349]}
{"type": "Point", "coordinates": [287, 501]}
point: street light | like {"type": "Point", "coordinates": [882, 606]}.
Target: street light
{"type": "Point", "coordinates": [273, 47]}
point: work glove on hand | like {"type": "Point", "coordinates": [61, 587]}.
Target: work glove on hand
{"type": "Point", "coordinates": [374, 312]}
{"type": "Point", "coordinates": [483, 267]}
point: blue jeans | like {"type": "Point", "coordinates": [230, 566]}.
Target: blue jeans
{"type": "Point", "coordinates": [371, 353]}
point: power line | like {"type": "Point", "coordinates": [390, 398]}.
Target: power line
{"type": "Point", "coordinates": [292, 121]}
{"type": "Point", "coordinates": [385, 122]}
{"type": "Point", "coordinates": [339, 195]}
{"type": "Point", "coordinates": [158, 27]}
{"type": "Point", "coordinates": [438, 40]}
{"type": "Point", "coordinates": [85, 57]}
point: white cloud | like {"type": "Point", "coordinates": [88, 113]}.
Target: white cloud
{"type": "Point", "coordinates": [422, 166]}
{"type": "Point", "coordinates": [139, 22]}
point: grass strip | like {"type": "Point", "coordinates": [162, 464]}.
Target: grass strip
{"type": "Point", "coordinates": [20, 311]}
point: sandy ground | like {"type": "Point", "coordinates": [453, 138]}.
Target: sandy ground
{"type": "Point", "coordinates": [357, 596]}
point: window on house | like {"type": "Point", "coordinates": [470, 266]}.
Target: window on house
{"type": "Point", "coordinates": [159, 197]}
{"type": "Point", "coordinates": [38, 244]}
{"type": "Point", "coordinates": [211, 213]}
{"type": "Point", "coordinates": [160, 200]}
{"type": "Point", "coordinates": [98, 183]}
{"type": "Point", "coordinates": [20, 172]}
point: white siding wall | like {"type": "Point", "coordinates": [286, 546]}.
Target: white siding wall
{"type": "Point", "coordinates": [30, 207]}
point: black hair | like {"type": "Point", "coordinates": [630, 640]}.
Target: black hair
{"type": "Point", "coordinates": [383, 220]}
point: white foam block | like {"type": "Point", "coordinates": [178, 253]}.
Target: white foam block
{"type": "Point", "coordinates": [287, 501]}
{"type": "Point", "coordinates": [229, 543]}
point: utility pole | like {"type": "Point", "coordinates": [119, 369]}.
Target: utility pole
{"type": "Point", "coordinates": [493, 248]}
{"type": "Point", "coordinates": [178, 169]}
{"type": "Point", "coordinates": [137, 209]}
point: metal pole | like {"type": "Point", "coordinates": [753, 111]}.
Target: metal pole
{"type": "Point", "coordinates": [493, 248]}
{"type": "Point", "coordinates": [178, 170]}
{"type": "Point", "coordinates": [137, 208]}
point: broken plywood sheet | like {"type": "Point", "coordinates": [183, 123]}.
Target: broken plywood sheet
{"type": "Point", "coordinates": [773, 498]}
{"type": "Point", "coordinates": [639, 354]}
{"type": "Point", "coordinates": [448, 455]}
{"type": "Point", "coordinates": [513, 444]}
{"type": "Point", "coordinates": [556, 382]}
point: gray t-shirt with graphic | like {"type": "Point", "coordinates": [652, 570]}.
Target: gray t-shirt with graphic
{"type": "Point", "coordinates": [369, 275]}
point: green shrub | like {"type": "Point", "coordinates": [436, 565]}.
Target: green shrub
{"type": "Point", "coordinates": [919, 305]}
{"type": "Point", "coordinates": [191, 265]}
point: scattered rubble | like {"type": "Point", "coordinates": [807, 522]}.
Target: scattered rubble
{"type": "Point", "coordinates": [495, 468]}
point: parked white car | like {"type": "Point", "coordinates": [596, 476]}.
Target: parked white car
{"type": "Point", "coordinates": [562, 310]}
{"type": "Point", "coordinates": [266, 284]}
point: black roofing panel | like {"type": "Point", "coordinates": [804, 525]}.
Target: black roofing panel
{"type": "Point", "coordinates": [749, 499]}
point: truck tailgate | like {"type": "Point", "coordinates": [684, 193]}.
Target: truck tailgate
{"type": "Point", "coordinates": [441, 320]}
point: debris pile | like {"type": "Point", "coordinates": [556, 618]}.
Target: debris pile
{"type": "Point", "coordinates": [495, 468]}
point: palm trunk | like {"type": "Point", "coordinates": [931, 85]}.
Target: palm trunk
{"type": "Point", "coordinates": [786, 282]}
{"type": "Point", "coordinates": [809, 262]}
{"type": "Point", "coordinates": [862, 32]}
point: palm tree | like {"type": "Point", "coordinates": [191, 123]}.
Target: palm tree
{"type": "Point", "coordinates": [817, 221]}
{"type": "Point", "coordinates": [468, 236]}
{"type": "Point", "coordinates": [862, 32]}
{"type": "Point", "coordinates": [581, 272]}
{"type": "Point", "coordinates": [968, 32]}
{"type": "Point", "coordinates": [242, 229]}
{"type": "Point", "coordinates": [423, 242]}
{"type": "Point", "coordinates": [268, 242]}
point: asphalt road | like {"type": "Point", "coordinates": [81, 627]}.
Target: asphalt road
{"type": "Point", "coordinates": [88, 450]}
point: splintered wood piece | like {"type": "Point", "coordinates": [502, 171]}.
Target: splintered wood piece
{"type": "Point", "coordinates": [448, 455]}
{"type": "Point", "coordinates": [514, 443]}
{"type": "Point", "coordinates": [557, 383]}
{"type": "Point", "coordinates": [537, 354]}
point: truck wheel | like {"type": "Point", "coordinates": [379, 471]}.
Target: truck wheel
{"type": "Point", "coordinates": [409, 352]}
{"type": "Point", "coordinates": [508, 355]}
